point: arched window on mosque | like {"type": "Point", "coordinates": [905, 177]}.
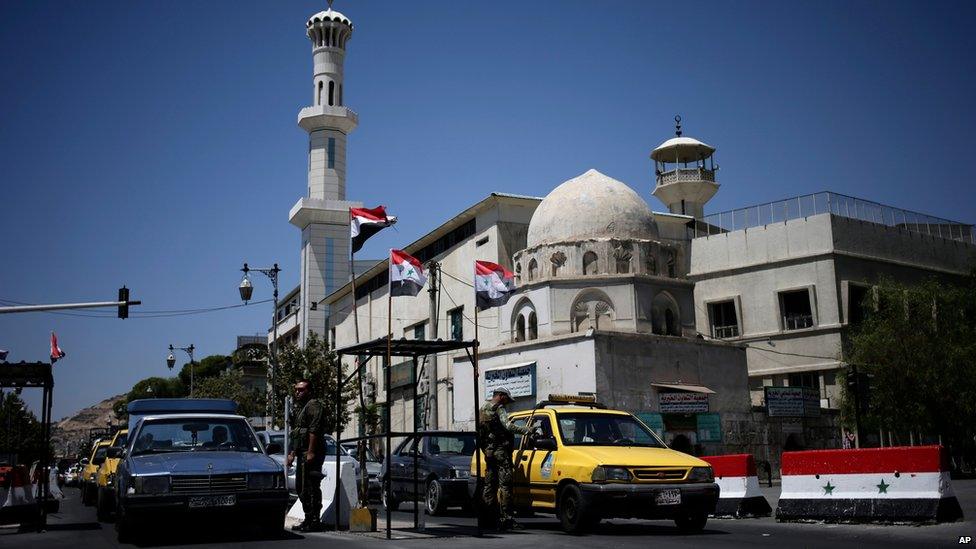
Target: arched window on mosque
{"type": "Point", "coordinates": [672, 273]}
{"type": "Point", "coordinates": [533, 329]}
{"type": "Point", "coordinates": [590, 264]}
{"type": "Point", "coordinates": [533, 269]}
{"type": "Point", "coordinates": [331, 93]}
{"type": "Point", "coordinates": [651, 264]}
{"type": "Point", "coordinates": [518, 273]}
{"type": "Point", "coordinates": [623, 265]}
{"type": "Point", "coordinates": [669, 324]}
{"type": "Point", "coordinates": [520, 329]}
{"type": "Point", "coordinates": [318, 101]}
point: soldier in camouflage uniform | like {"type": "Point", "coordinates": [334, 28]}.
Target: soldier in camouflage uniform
{"type": "Point", "coordinates": [497, 440]}
{"type": "Point", "coordinates": [308, 443]}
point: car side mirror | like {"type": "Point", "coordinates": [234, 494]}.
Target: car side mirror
{"type": "Point", "coordinates": [546, 443]}
{"type": "Point", "coordinates": [273, 448]}
{"type": "Point", "coordinates": [115, 452]}
{"type": "Point", "coordinates": [84, 461]}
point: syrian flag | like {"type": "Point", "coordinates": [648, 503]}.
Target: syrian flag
{"type": "Point", "coordinates": [365, 222]}
{"type": "Point", "coordinates": [493, 284]}
{"type": "Point", "coordinates": [407, 276]}
{"type": "Point", "coordinates": [56, 352]}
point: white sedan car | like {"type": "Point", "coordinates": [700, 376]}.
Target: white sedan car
{"type": "Point", "coordinates": [278, 437]}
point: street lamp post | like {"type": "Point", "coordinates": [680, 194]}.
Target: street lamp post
{"type": "Point", "coordinates": [246, 291]}
{"type": "Point", "coordinates": [171, 361]}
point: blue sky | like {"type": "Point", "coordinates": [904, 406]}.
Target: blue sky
{"type": "Point", "coordinates": [155, 143]}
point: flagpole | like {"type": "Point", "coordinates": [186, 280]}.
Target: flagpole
{"type": "Point", "coordinates": [363, 485]}
{"type": "Point", "coordinates": [477, 419]}
{"type": "Point", "coordinates": [387, 411]}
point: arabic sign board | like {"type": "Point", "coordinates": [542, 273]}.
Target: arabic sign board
{"type": "Point", "coordinates": [401, 375]}
{"type": "Point", "coordinates": [519, 380]}
{"type": "Point", "coordinates": [792, 402]}
{"type": "Point", "coordinates": [683, 403]}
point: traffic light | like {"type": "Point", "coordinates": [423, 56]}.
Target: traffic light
{"type": "Point", "coordinates": [123, 302]}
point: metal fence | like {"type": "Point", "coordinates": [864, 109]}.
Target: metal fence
{"type": "Point", "coordinates": [837, 204]}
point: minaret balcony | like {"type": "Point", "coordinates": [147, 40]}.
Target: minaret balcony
{"type": "Point", "coordinates": [321, 117]}
{"type": "Point", "coordinates": [685, 174]}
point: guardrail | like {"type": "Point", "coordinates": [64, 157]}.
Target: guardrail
{"type": "Point", "coordinates": [837, 204]}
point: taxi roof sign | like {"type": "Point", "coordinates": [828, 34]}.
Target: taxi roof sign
{"type": "Point", "coordinates": [580, 400]}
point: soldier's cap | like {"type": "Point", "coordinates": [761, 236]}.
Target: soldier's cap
{"type": "Point", "coordinates": [503, 391]}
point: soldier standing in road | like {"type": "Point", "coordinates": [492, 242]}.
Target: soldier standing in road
{"type": "Point", "coordinates": [308, 440]}
{"type": "Point", "coordinates": [497, 439]}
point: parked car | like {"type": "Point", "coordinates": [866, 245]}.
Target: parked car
{"type": "Point", "coordinates": [278, 438]}
{"type": "Point", "coordinates": [443, 467]}
{"type": "Point", "coordinates": [105, 478]}
{"type": "Point", "coordinates": [71, 475]}
{"type": "Point", "coordinates": [591, 463]}
{"type": "Point", "coordinates": [374, 469]}
{"type": "Point", "coordinates": [196, 457]}
{"type": "Point", "coordinates": [89, 482]}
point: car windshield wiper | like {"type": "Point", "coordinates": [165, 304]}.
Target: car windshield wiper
{"type": "Point", "coordinates": [155, 451]}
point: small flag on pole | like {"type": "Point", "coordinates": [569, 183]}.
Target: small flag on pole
{"type": "Point", "coordinates": [407, 275]}
{"type": "Point", "coordinates": [3, 354]}
{"type": "Point", "coordinates": [493, 284]}
{"type": "Point", "coordinates": [56, 352]}
{"type": "Point", "coordinates": [365, 222]}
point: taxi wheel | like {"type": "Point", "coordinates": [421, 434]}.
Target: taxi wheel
{"type": "Point", "coordinates": [574, 513]}
{"type": "Point", "coordinates": [692, 522]}
{"type": "Point", "coordinates": [102, 511]}
{"type": "Point", "coordinates": [436, 502]}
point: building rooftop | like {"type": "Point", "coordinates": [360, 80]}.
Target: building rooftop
{"type": "Point", "coordinates": [836, 204]}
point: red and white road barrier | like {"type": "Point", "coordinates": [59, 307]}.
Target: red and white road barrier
{"type": "Point", "coordinates": [20, 492]}
{"type": "Point", "coordinates": [739, 495]}
{"type": "Point", "coordinates": [899, 484]}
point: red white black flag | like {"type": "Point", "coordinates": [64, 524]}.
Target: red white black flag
{"type": "Point", "coordinates": [407, 275]}
{"type": "Point", "coordinates": [365, 222]}
{"type": "Point", "coordinates": [493, 284]}
{"type": "Point", "coordinates": [56, 352]}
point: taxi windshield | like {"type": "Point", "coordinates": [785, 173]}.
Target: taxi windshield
{"type": "Point", "coordinates": [194, 434]}
{"type": "Point", "coordinates": [589, 429]}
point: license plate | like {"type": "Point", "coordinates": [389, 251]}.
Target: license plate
{"type": "Point", "coordinates": [213, 501]}
{"type": "Point", "coordinates": [668, 497]}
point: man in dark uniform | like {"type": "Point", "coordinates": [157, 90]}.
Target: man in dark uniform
{"type": "Point", "coordinates": [497, 440]}
{"type": "Point", "coordinates": [308, 443]}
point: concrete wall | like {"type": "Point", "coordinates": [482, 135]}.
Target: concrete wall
{"type": "Point", "coordinates": [627, 365]}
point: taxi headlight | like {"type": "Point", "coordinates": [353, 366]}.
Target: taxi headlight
{"type": "Point", "coordinates": [152, 485]}
{"type": "Point", "coordinates": [460, 473]}
{"type": "Point", "coordinates": [701, 474]}
{"type": "Point", "coordinates": [611, 474]}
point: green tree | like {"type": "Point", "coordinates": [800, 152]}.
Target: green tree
{"type": "Point", "coordinates": [230, 384]}
{"type": "Point", "coordinates": [210, 366]}
{"type": "Point", "coordinates": [918, 347]}
{"type": "Point", "coordinates": [20, 431]}
{"type": "Point", "coordinates": [318, 364]}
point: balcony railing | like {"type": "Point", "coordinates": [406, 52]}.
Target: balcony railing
{"type": "Point", "coordinates": [797, 322]}
{"type": "Point", "coordinates": [725, 332]}
{"type": "Point", "coordinates": [837, 204]}
{"type": "Point", "coordinates": [685, 174]}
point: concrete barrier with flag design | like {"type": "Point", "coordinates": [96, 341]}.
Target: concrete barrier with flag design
{"type": "Point", "coordinates": [739, 494]}
{"type": "Point", "coordinates": [899, 484]}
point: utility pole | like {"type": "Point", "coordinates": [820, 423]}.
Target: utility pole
{"type": "Point", "coordinates": [432, 374]}
{"type": "Point", "coordinates": [123, 305]}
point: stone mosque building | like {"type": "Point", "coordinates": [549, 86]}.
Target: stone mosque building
{"type": "Point", "coordinates": [680, 316]}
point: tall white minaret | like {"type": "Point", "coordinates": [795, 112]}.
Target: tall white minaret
{"type": "Point", "coordinates": [323, 214]}
{"type": "Point", "coordinates": [690, 183]}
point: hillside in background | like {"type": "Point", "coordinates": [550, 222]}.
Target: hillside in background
{"type": "Point", "coordinates": [69, 433]}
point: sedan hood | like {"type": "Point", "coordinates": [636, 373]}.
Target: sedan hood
{"type": "Point", "coordinates": [636, 456]}
{"type": "Point", "coordinates": [199, 463]}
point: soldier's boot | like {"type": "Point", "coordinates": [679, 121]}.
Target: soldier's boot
{"type": "Point", "coordinates": [308, 526]}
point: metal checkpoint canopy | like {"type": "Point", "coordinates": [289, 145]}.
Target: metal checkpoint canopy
{"type": "Point", "coordinates": [404, 348]}
{"type": "Point", "coordinates": [36, 375]}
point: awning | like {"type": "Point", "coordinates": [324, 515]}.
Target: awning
{"type": "Point", "coordinates": [689, 388]}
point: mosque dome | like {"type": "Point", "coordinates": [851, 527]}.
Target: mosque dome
{"type": "Point", "coordinates": [591, 205]}
{"type": "Point", "coordinates": [328, 15]}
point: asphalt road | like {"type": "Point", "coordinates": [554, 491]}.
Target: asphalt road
{"type": "Point", "coordinates": [75, 526]}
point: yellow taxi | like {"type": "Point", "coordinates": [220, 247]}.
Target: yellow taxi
{"type": "Point", "coordinates": [89, 484]}
{"type": "Point", "coordinates": [588, 463]}
{"type": "Point", "coordinates": [105, 476]}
